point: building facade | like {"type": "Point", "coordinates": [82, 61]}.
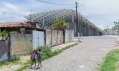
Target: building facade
{"type": "Point", "coordinates": [110, 32]}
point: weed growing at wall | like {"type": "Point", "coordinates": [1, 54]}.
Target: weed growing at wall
{"type": "Point", "coordinates": [14, 61]}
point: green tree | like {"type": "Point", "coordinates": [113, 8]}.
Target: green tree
{"type": "Point", "coordinates": [116, 26]}
{"type": "Point", "coordinates": [60, 24]}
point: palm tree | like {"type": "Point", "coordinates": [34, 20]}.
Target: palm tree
{"type": "Point", "coordinates": [60, 24]}
{"type": "Point", "coordinates": [4, 34]}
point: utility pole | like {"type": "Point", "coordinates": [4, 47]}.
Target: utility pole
{"type": "Point", "coordinates": [77, 22]}
{"type": "Point", "coordinates": [30, 16]}
{"type": "Point", "coordinates": [76, 3]}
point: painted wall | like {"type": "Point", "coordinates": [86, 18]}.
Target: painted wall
{"type": "Point", "coordinates": [69, 35]}
{"type": "Point", "coordinates": [48, 38]}
{"type": "Point", "coordinates": [3, 51]}
{"type": "Point", "coordinates": [54, 37]}
{"type": "Point", "coordinates": [38, 39]}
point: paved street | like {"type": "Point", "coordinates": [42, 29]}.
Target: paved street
{"type": "Point", "coordinates": [84, 57]}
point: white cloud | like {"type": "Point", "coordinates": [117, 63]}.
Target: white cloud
{"type": "Point", "coordinates": [101, 26]}
{"type": "Point", "coordinates": [11, 7]}
{"type": "Point", "coordinates": [100, 12]}
{"type": "Point", "coordinates": [11, 12]}
{"type": "Point", "coordinates": [102, 6]}
{"type": "Point", "coordinates": [33, 5]}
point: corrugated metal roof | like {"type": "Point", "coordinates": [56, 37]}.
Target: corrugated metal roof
{"type": "Point", "coordinates": [17, 24]}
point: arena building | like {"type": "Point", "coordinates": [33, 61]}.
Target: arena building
{"type": "Point", "coordinates": [45, 20]}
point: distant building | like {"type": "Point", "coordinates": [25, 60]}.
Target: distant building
{"type": "Point", "coordinates": [110, 32]}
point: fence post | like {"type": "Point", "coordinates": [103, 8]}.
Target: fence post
{"type": "Point", "coordinates": [51, 36]}
{"type": "Point", "coordinates": [57, 37]}
{"type": "Point", "coordinates": [9, 46]}
{"type": "Point", "coordinates": [45, 37]}
{"type": "Point", "coordinates": [63, 36]}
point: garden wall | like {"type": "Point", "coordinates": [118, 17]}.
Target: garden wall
{"type": "Point", "coordinates": [69, 35]}
{"type": "Point", "coordinates": [54, 37]}
{"type": "Point", "coordinates": [20, 43]}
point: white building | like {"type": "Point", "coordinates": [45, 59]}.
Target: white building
{"type": "Point", "coordinates": [110, 32]}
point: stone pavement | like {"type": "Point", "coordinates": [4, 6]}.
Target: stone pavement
{"type": "Point", "coordinates": [85, 56]}
{"type": "Point", "coordinates": [63, 45]}
{"type": "Point", "coordinates": [24, 59]}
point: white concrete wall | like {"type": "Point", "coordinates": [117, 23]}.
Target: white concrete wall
{"type": "Point", "coordinates": [110, 32]}
{"type": "Point", "coordinates": [48, 38]}
{"type": "Point", "coordinates": [54, 37]}
{"type": "Point", "coordinates": [69, 35]}
{"type": "Point", "coordinates": [38, 39]}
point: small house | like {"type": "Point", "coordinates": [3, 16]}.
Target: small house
{"type": "Point", "coordinates": [20, 27]}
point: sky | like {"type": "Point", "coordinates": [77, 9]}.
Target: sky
{"type": "Point", "coordinates": [102, 13]}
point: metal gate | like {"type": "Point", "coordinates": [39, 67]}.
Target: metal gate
{"type": "Point", "coordinates": [38, 39]}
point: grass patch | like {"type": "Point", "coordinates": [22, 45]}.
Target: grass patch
{"type": "Point", "coordinates": [14, 61]}
{"type": "Point", "coordinates": [25, 66]}
{"type": "Point", "coordinates": [69, 46]}
{"type": "Point", "coordinates": [109, 63]}
{"type": "Point", "coordinates": [47, 53]}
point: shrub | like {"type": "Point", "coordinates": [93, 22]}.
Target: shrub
{"type": "Point", "coordinates": [15, 58]}
{"type": "Point", "coordinates": [4, 34]}
{"type": "Point", "coordinates": [45, 49]}
{"type": "Point", "coordinates": [47, 52]}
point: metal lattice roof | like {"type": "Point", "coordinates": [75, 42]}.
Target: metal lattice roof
{"type": "Point", "coordinates": [46, 18]}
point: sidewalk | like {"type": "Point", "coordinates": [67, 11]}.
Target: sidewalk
{"type": "Point", "coordinates": [62, 45]}
{"type": "Point", "coordinates": [75, 40]}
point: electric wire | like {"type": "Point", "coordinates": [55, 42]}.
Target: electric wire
{"type": "Point", "coordinates": [54, 3]}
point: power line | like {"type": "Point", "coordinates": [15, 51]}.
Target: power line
{"type": "Point", "coordinates": [54, 3]}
